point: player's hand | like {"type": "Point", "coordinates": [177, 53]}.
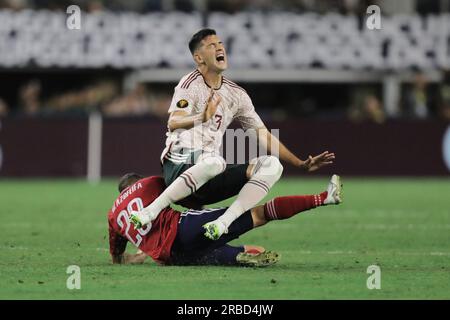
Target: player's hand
{"type": "Point", "coordinates": [137, 258]}
{"type": "Point", "coordinates": [317, 162]}
{"type": "Point", "coordinates": [211, 107]}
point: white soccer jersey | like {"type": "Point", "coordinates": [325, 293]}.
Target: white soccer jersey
{"type": "Point", "coordinates": [191, 95]}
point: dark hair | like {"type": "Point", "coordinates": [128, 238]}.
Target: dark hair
{"type": "Point", "coordinates": [128, 179]}
{"type": "Point", "coordinates": [198, 37]}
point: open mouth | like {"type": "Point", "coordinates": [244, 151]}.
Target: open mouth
{"type": "Point", "coordinates": [220, 57]}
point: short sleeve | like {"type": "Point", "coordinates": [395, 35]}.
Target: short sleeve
{"type": "Point", "coordinates": [182, 100]}
{"type": "Point", "coordinates": [247, 115]}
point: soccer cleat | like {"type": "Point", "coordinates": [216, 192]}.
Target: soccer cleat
{"type": "Point", "coordinates": [214, 229]}
{"type": "Point", "coordinates": [334, 191]}
{"type": "Point", "coordinates": [262, 259]}
{"type": "Point", "coordinates": [139, 219]}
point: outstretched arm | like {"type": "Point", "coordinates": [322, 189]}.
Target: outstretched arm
{"type": "Point", "coordinates": [273, 145]}
{"type": "Point", "coordinates": [250, 120]}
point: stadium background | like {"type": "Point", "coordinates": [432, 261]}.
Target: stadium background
{"type": "Point", "coordinates": [92, 104]}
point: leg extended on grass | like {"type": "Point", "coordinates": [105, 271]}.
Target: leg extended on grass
{"type": "Point", "coordinates": [189, 242]}
{"type": "Point", "coordinates": [285, 207]}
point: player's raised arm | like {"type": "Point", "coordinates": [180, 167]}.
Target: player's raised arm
{"type": "Point", "coordinates": [181, 119]}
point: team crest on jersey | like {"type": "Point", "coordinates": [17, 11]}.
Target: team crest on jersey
{"type": "Point", "coordinates": [182, 103]}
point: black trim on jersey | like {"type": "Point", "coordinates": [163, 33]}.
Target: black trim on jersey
{"type": "Point", "coordinates": [221, 82]}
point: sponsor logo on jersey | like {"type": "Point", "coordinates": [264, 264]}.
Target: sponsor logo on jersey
{"type": "Point", "coordinates": [182, 103]}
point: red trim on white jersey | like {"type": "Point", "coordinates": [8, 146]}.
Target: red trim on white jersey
{"type": "Point", "coordinates": [232, 84]}
{"type": "Point", "coordinates": [194, 75]}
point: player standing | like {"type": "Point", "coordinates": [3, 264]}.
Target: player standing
{"type": "Point", "coordinates": [203, 106]}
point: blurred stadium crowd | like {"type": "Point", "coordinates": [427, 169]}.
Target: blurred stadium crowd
{"type": "Point", "coordinates": [229, 6]}
{"type": "Point", "coordinates": [49, 73]}
{"type": "Point", "coordinates": [232, 6]}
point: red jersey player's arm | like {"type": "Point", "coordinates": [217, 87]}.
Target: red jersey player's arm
{"type": "Point", "coordinates": [127, 258]}
{"type": "Point", "coordinates": [181, 120]}
{"type": "Point", "coordinates": [117, 246]}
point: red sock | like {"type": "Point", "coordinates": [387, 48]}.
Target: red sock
{"type": "Point", "coordinates": [285, 207]}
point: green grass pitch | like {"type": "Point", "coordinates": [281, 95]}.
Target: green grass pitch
{"type": "Point", "coordinates": [401, 225]}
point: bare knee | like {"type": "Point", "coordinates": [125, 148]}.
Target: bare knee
{"type": "Point", "coordinates": [258, 216]}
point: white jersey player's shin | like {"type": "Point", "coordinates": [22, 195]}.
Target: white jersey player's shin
{"type": "Point", "coordinates": [206, 168]}
{"type": "Point", "coordinates": [266, 172]}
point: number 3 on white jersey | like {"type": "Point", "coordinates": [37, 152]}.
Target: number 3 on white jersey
{"type": "Point", "coordinates": [123, 219]}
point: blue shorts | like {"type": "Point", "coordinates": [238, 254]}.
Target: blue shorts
{"type": "Point", "coordinates": [192, 247]}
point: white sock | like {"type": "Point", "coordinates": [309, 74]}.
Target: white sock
{"type": "Point", "coordinates": [266, 172]}
{"type": "Point", "coordinates": [186, 184]}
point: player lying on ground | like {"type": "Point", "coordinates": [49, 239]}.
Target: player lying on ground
{"type": "Point", "coordinates": [176, 238]}
{"type": "Point", "coordinates": [204, 104]}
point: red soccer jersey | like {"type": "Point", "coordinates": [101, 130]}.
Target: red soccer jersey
{"type": "Point", "coordinates": [157, 237]}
